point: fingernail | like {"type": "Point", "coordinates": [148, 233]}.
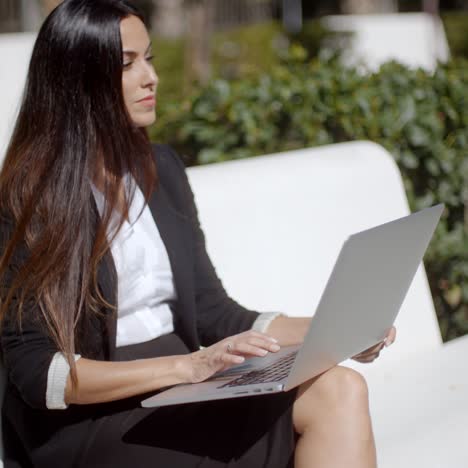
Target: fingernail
{"type": "Point", "coordinates": [263, 352]}
{"type": "Point", "coordinates": [239, 359]}
{"type": "Point", "coordinates": [275, 347]}
{"type": "Point", "coordinates": [273, 339]}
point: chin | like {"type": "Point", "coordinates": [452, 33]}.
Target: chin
{"type": "Point", "coordinates": [144, 121]}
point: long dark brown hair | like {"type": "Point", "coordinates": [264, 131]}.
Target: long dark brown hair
{"type": "Point", "coordinates": [72, 124]}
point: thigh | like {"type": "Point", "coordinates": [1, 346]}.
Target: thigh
{"type": "Point", "coordinates": [245, 432]}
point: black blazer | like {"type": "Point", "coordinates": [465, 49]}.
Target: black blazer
{"type": "Point", "coordinates": [203, 315]}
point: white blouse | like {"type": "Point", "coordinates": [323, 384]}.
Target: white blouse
{"type": "Point", "coordinates": [146, 288]}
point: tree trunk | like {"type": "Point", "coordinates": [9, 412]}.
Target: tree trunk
{"type": "Point", "coordinates": [32, 15]}
{"type": "Point", "coordinates": [49, 5]}
{"type": "Point", "coordinates": [292, 15]}
{"type": "Point", "coordinates": [362, 7]}
{"type": "Point", "coordinates": [431, 6]}
{"type": "Point", "coordinates": [168, 19]}
{"type": "Point", "coordinates": [198, 49]}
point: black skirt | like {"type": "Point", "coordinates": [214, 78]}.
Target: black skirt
{"type": "Point", "coordinates": [249, 432]}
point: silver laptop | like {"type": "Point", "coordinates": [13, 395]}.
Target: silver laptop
{"type": "Point", "coordinates": [362, 298]}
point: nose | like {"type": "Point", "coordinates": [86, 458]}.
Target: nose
{"type": "Point", "coordinates": [149, 76]}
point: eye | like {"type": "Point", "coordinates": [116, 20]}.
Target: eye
{"type": "Point", "coordinates": [127, 65]}
{"type": "Point", "coordinates": [150, 58]}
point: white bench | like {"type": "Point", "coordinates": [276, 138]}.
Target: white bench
{"type": "Point", "coordinates": [274, 226]}
{"type": "Point", "coordinates": [415, 39]}
{"type": "Point", "coordinates": [16, 50]}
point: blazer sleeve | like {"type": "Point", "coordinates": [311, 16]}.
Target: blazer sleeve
{"type": "Point", "coordinates": [218, 316]}
{"type": "Point", "coordinates": [26, 352]}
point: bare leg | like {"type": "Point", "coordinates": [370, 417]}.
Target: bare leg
{"type": "Point", "coordinates": [331, 416]}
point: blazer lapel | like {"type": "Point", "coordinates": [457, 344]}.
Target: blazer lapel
{"type": "Point", "coordinates": [174, 229]}
{"type": "Point", "coordinates": [107, 283]}
{"type": "Point", "coordinates": [107, 280]}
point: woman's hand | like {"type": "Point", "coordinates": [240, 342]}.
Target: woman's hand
{"type": "Point", "coordinates": [229, 352]}
{"type": "Point", "coordinates": [371, 354]}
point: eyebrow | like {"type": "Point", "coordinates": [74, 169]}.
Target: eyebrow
{"type": "Point", "coordinates": [132, 53]}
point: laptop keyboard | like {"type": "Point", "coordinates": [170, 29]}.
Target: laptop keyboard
{"type": "Point", "coordinates": [272, 373]}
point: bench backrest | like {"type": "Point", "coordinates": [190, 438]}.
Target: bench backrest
{"type": "Point", "coordinates": [275, 224]}
{"type": "Point", "coordinates": [15, 50]}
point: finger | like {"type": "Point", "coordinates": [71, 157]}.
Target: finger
{"type": "Point", "coordinates": [366, 359]}
{"type": "Point", "coordinates": [251, 344]}
{"type": "Point", "coordinates": [374, 351]}
{"type": "Point", "coordinates": [254, 334]}
{"type": "Point", "coordinates": [264, 343]}
{"type": "Point", "coordinates": [231, 359]}
{"type": "Point", "coordinates": [366, 355]}
{"type": "Point", "coordinates": [250, 350]}
{"type": "Point", "coordinates": [222, 360]}
{"type": "Point", "coordinates": [391, 336]}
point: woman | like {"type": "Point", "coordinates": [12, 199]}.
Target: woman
{"type": "Point", "coordinates": [108, 293]}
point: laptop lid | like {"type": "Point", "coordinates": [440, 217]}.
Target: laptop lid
{"type": "Point", "coordinates": [364, 293]}
{"type": "Point", "coordinates": [362, 298]}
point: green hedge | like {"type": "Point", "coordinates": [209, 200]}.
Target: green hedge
{"type": "Point", "coordinates": [421, 118]}
{"type": "Point", "coordinates": [236, 53]}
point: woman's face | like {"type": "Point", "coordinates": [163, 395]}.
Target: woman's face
{"type": "Point", "coordinates": [139, 80]}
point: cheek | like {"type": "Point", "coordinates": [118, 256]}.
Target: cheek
{"type": "Point", "coordinates": [127, 90]}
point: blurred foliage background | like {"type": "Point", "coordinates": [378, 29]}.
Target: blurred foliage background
{"type": "Point", "coordinates": [456, 27]}
{"type": "Point", "coordinates": [272, 91]}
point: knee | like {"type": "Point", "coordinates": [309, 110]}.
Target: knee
{"type": "Point", "coordinates": [340, 391]}
{"type": "Point", "coordinates": [343, 385]}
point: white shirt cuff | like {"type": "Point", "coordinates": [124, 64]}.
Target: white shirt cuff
{"type": "Point", "coordinates": [57, 381]}
{"type": "Point", "coordinates": [263, 321]}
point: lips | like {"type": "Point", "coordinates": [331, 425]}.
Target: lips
{"type": "Point", "coordinates": [148, 101]}
{"type": "Point", "coordinates": [149, 98]}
